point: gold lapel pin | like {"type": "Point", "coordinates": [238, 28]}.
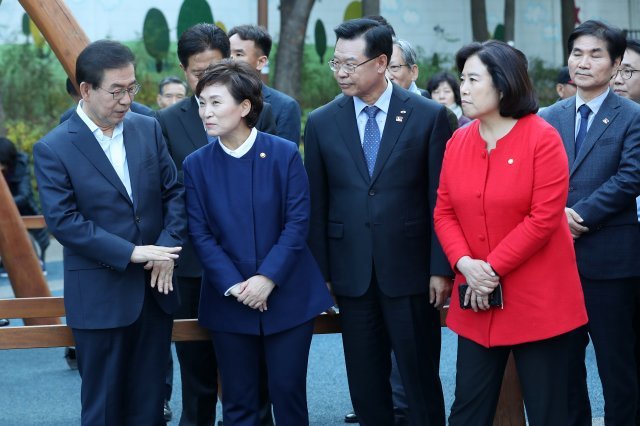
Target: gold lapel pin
{"type": "Point", "coordinates": [263, 155]}
{"type": "Point", "coordinates": [605, 121]}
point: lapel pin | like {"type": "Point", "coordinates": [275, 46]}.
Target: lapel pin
{"type": "Point", "coordinates": [403, 112]}
{"type": "Point", "coordinates": [399, 118]}
{"type": "Point", "coordinates": [510, 161]}
{"type": "Point", "coordinates": [605, 121]}
{"type": "Point", "coordinates": [263, 155]}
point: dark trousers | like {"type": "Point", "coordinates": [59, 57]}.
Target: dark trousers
{"type": "Point", "coordinates": [198, 365]}
{"type": "Point", "coordinates": [123, 369]}
{"type": "Point", "coordinates": [372, 325]}
{"type": "Point", "coordinates": [286, 355]}
{"type": "Point", "coordinates": [542, 368]}
{"type": "Point", "coordinates": [612, 306]}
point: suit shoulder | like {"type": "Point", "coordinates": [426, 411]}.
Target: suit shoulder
{"type": "Point", "coordinates": [330, 108]}
{"type": "Point", "coordinates": [554, 109]}
{"type": "Point", "coordinates": [174, 110]}
{"type": "Point", "coordinates": [277, 143]}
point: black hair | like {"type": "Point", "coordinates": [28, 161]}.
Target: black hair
{"type": "Point", "coordinates": [99, 56]}
{"type": "Point", "coordinates": [508, 69]}
{"type": "Point", "coordinates": [8, 155]}
{"type": "Point", "coordinates": [199, 38]}
{"type": "Point", "coordinates": [634, 45]}
{"type": "Point", "coordinates": [612, 36]}
{"type": "Point", "coordinates": [378, 37]}
{"type": "Point", "coordinates": [172, 79]}
{"type": "Point", "coordinates": [255, 33]}
{"type": "Point", "coordinates": [381, 19]}
{"type": "Point", "coordinates": [448, 78]}
{"type": "Point", "coordinates": [242, 82]}
{"type": "Point", "coordinates": [71, 89]}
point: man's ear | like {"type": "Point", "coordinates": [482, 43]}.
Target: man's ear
{"type": "Point", "coordinates": [262, 62]}
{"type": "Point", "coordinates": [84, 90]}
{"type": "Point", "coordinates": [383, 62]}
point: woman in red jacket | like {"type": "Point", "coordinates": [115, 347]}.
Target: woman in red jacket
{"type": "Point", "coordinates": [500, 220]}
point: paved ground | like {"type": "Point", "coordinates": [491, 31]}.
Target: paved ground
{"type": "Point", "coordinates": [39, 389]}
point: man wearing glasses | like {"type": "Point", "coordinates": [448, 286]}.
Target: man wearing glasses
{"type": "Point", "coordinates": [626, 82]}
{"type": "Point", "coordinates": [373, 157]}
{"type": "Point", "coordinates": [110, 195]}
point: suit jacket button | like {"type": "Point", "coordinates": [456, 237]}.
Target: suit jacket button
{"type": "Point", "coordinates": [137, 219]}
{"type": "Point", "coordinates": [372, 192]}
{"type": "Point", "coordinates": [481, 237]}
{"type": "Point", "coordinates": [570, 188]}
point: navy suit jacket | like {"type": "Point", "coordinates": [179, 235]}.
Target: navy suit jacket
{"type": "Point", "coordinates": [387, 219]}
{"type": "Point", "coordinates": [88, 210]}
{"type": "Point", "coordinates": [287, 113]}
{"type": "Point", "coordinates": [604, 181]}
{"type": "Point", "coordinates": [184, 133]}
{"type": "Point", "coordinates": [250, 216]}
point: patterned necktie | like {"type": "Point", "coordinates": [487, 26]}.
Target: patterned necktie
{"type": "Point", "coordinates": [584, 111]}
{"type": "Point", "coordinates": [371, 141]}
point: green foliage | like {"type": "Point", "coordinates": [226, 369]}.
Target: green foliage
{"type": "Point", "coordinates": [544, 81]}
{"type": "Point", "coordinates": [318, 84]}
{"type": "Point", "coordinates": [498, 33]}
{"type": "Point", "coordinates": [193, 12]}
{"type": "Point", "coordinates": [353, 11]}
{"type": "Point", "coordinates": [25, 25]}
{"type": "Point", "coordinates": [155, 34]}
{"type": "Point", "coordinates": [321, 40]}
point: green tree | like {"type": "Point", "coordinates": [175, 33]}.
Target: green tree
{"type": "Point", "coordinates": [321, 40]}
{"type": "Point", "coordinates": [353, 11]}
{"type": "Point", "coordinates": [193, 12]}
{"type": "Point", "coordinates": [155, 35]}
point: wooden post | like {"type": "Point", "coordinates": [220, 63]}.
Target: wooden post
{"type": "Point", "coordinates": [61, 30]}
{"type": "Point", "coordinates": [263, 13]}
{"type": "Point", "coordinates": [18, 256]}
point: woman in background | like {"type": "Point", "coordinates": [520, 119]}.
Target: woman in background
{"type": "Point", "coordinates": [445, 90]}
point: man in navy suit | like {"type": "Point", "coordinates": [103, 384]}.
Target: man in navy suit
{"type": "Point", "coordinates": [252, 44]}
{"type": "Point", "coordinates": [199, 47]}
{"type": "Point", "coordinates": [373, 157]}
{"type": "Point", "coordinates": [110, 195]}
{"type": "Point", "coordinates": [601, 134]}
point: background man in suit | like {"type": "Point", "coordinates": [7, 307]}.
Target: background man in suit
{"type": "Point", "coordinates": [373, 157]}
{"type": "Point", "coordinates": [601, 134]}
{"type": "Point", "coordinates": [110, 195]}
{"type": "Point", "coordinates": [171, 90]}
{"type": "Point", "coordinates": [252, 44]}
{"type": "Point", "coordinates": [403, 67]}
{"type": "Point", "coordinates": [198, 47]}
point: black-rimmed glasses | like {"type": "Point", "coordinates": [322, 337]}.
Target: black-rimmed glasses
{"type": "Point", "coordinates": [347, 68]}
{"type": "Point", "coordinates": [119, 94]}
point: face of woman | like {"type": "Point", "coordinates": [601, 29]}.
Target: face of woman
{"type": "Point", "coordinates": [444, 94]}
{"type": "Point", "coordinates": [479, 96]}
{"type": "Point", "coordinates": [220, 113]}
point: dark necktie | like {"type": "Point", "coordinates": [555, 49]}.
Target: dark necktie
{"type": "Point", "coordinates": [584, 111]}
{"type": "Point", "coordinates": [371, 141]}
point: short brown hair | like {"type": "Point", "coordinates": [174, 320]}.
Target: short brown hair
{"type": "Point", "coordinates": [242, 82]}
{"type": "Point", "coordinates": [508, 69]}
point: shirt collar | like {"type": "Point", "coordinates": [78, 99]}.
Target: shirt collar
{"type": "Point", "coordinates": [383, 101]}
{"type": "Point", "coordinates": [414, 88]}
{"type": "Point", "coordinates": [93, 127]}
{"type": "Point", "coordinates": [594, 104]}
{"type": "Point", "coordinates": [244, 148]}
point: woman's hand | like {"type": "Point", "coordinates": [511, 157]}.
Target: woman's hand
{"type": "Point", "coordinates": [481, 278]}
{"type": "Point", "coordinates": [476, 300]}
{"type": "Point", "coordinates": [255, 291]}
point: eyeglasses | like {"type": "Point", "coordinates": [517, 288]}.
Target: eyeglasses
{"type": "Point", "coordinates": [347, 68]}
{"type": "Point", "coordinates": [119, 94]}
{"type": "Point", "coordinates": [396, 68]}
{"type": "Point", "coordinates": [626, 73]}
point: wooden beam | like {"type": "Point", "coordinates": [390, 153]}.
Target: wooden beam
{"type": "Point", "coordinates": [61, 30]}
{"type": "Point", "coordinates": [34, 222]}
{"type": "Point", "coordinates": [263, 13]}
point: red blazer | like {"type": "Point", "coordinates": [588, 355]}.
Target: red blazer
{"type": "Point", "coordinates": [507, 208]}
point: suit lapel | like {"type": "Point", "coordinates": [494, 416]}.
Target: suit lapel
{"type": "Point", "coordinates": [348, 128]}
{"type": "Point", "coordinates": [397, 116]}
{"type": "Point", "coordinates": [193, 125]}
{"type": "Point", "coordinates": [86, 143]}
{"type": "Point", "coordinates": [133, 148]}
{"type": "Point", "coordinates": [604, 118]}
{"type": "Point", "coordinates": [567, 129]}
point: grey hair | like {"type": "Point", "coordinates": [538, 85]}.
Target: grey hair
{"type": "Point", "coordinates": [409, 55]}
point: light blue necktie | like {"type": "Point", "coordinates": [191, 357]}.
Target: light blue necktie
{"type": "Point", "coordinates": [371, 141]}
{"type": "Point", "coordinates": [584, 111]}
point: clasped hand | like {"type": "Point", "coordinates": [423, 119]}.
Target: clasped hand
{"type": "Point", "coordinates": [254, 292]}
{"type": "Point", "coordinates": [482, 281]}
{"type": "Point", "coordinates": [160, 261]}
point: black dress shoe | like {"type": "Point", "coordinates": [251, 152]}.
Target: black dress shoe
{"type": "Point", "coordinates": [70, 357]}
{"type": "Point", "coordinates": [168, 414]}
{"type": "Point", "coordinates": [351, 418]}
{"type": "Point", "coordinates": [4, 322]}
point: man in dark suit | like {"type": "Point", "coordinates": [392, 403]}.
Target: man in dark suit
{"type": "Point", "coordinates": [110, 195]}
{"type": "Point", "coordinates": [601, 134]}
{"type": "Point", "coordinates": [252, 44]}
{"type": "Point", "coordinates": [373, 157]}
{"type": "Point", "coordinates": [184, 132]}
